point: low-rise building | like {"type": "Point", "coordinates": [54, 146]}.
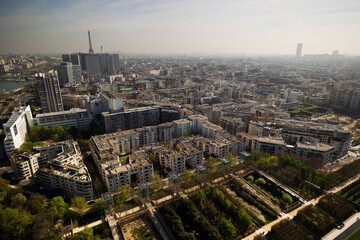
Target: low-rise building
{"type": "Point", "coordinates": [24, 165]}
{"type": "Point", "coordinates": [65, 169]}
{"type": "Point", "coordinates": [75, 117]}
{"type": "Point", "coordinates": [115, 175]}
{"type": "Point", "coordinates": [58, 166]}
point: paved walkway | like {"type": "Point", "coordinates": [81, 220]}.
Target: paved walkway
{"type": "Point", "coordinates": [90, 225]}
{"type": "Point", "coordinates": [159, 223]}
{"type": "Point", "coordinates": [350, 226]}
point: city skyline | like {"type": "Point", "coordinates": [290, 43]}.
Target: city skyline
{"type": "Point", "coordinates": [178, 27]}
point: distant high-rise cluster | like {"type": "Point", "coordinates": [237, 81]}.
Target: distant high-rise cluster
{"type": "Point", "coordinates": [94, 64]}
{"type": "Point", "coordinates": [299, 49]}
{"type": "Point", "coordinates": [49, 92]}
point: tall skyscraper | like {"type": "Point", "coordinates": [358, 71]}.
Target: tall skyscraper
{"type": "Point", "coordinates": [49, 92]}
{"type": "Point", "coordinates": [69, 73]}
{"type": "Point", "coordinates": [298, 49]}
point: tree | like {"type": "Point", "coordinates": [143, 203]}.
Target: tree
{"type": "Point", "coordinates": [45, 229]}
{"type": "Point", "coordinates": [250, 178]}
{"type": "Point", "coordinates": [124, 192]}
{"type": "Point", "coordinates": [227, 229]}
{"type": "Point", "coordinates": [156, 181]}
{"type": "Point", "coordinates": [231, 157]}
{"type": "Point", "coordinates": [36, 203]}
{"type": "Point", "coordinates": [243, 219]}
{"type": "Point", "coordinates": [152, 157]}
{"type": "Point", "coordinates": [260, 181]}
{"type": "Point", "coordinates": [187, 175]}
{"type": "Point", "coordinates": [18, 201]}
{"type": "Point", "coordinates": [287, 198]}
{"type": "Point", "coordinates": [79, 204]}
{"type": "Point", "coordinates": [14, 225]}
{"type": "Point", "coordinates": [58, 205]}
{"type": "Point", "coordinates": [4, 188]}
{"type": "Point", "coordinates": [186, 134]}
{"type": "Point", "coordinates": [211, 163]}
{"type": "Point", "coordinates": [97, 207]}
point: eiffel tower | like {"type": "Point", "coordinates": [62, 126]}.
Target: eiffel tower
{"type": "Point", "coordinates": [90, 46]}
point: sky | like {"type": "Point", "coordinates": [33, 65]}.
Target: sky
{"type": "Point", "coordinates": [222, 27]}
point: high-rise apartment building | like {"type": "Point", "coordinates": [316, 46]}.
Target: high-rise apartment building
{"type": "Point", "coordinates": [49, 92]}
{"type": "Point", "coordinates": [299, 49]}
{"type": "Point", "coordinates": [69, 73]}
{"type": "Point", "coordinates": [96, 64]}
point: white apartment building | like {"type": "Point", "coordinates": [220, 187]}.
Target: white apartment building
{"type": "Point", "coordinates": [75, 117]}
{"type": "Point", "coordinates": [175, 161]}
{"type": "Point", "coordinates": [16, 128]}
{"type": "Point", "coordinates": [210, 130]}
{"type": "Point", "coordinates": [182, 126]}
{"type": "Point", "coordinates": [193, 156]}
{"type": "Point", "coordinates": [196, 121]}
{"type": "Point", "coordinates": [115, 175]}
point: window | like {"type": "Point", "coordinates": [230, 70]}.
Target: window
{"type": "Point", "coordinates": [15, 130]}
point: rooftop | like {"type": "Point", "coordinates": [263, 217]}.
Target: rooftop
{"type": "Point", "coordinates": [73, 110]}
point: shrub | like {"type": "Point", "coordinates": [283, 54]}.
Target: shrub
{"type": "Point", "coordinates": [260, 181]}
{"type": "Point", "coordinates": [287, 198]}
{"type": "Point", "coordinates": [250, 178]}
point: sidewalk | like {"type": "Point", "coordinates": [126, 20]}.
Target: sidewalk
{"type": "Point", "coordinates": [346, 231]}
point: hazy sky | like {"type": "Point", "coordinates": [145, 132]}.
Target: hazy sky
{"type": "Point", "coordinates": [251, 27]}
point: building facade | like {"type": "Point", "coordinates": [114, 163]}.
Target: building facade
{"type": "Point", "coordinates": [17, 127]}
{"type": "Point", "coordinates": [48, 87]}
{"type": "Point", "coordinates": [75, 117]}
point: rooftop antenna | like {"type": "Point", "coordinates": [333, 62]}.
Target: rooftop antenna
{"type": "Point", "coordinates": [90, 46]}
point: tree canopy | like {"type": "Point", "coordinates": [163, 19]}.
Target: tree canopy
{"type": "Point", "coordinates": [79, 204]}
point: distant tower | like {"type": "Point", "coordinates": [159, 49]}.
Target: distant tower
{"type": "Point", "coordinates": [101, 49]}
{"type": "Point", "coordinates": [90, 46]}
{"type": "Point", "coordinates": [298, 49]}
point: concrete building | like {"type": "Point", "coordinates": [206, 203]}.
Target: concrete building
{"type": "Point", "coordinates": [299, 49]}
{"type": "Point", "coordinates": [183, 126]}
{"type": "Point", "coordinates": [75, 117]}
{"type": "Point", "coordinates": [69, 74]}
{"type": "Point", "coordinates": [49, 92]}
{"type": "Point", "coordinates": [210, 130]}
{"type": "Point", "coordinates": [110, 102]}
{"type": "Point", "coordinates": [132, 118]}
{"type": "Point", "coordinates": [304, 131]}
{"type": "Point", "coordinates": [196, 121]}
{"type": "Point", "coordinates": [24, 165]}
{"type": "Point", "coordinates": [16, 128]}
{"type": "Point", "coordinates": [65, 169]}
{"type": "Point", "coordinates": [171, 160]}
{"type": "Point", "coordinates": [96, 64]}
{"type": "Point", "coordinates": [193, 156]}
{"type": "Point", "coordinates": [114, 174]}
{"type": "Point", "coordinates": [58, 166]}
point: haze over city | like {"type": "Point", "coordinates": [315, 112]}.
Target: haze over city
{"type": "Point", "coordinates": [180, 120]}
{"type": "Point", "coordinates": [177, 27]}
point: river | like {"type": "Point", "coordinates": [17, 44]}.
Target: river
{"type": "Point", "coordinates": [7, 85]}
